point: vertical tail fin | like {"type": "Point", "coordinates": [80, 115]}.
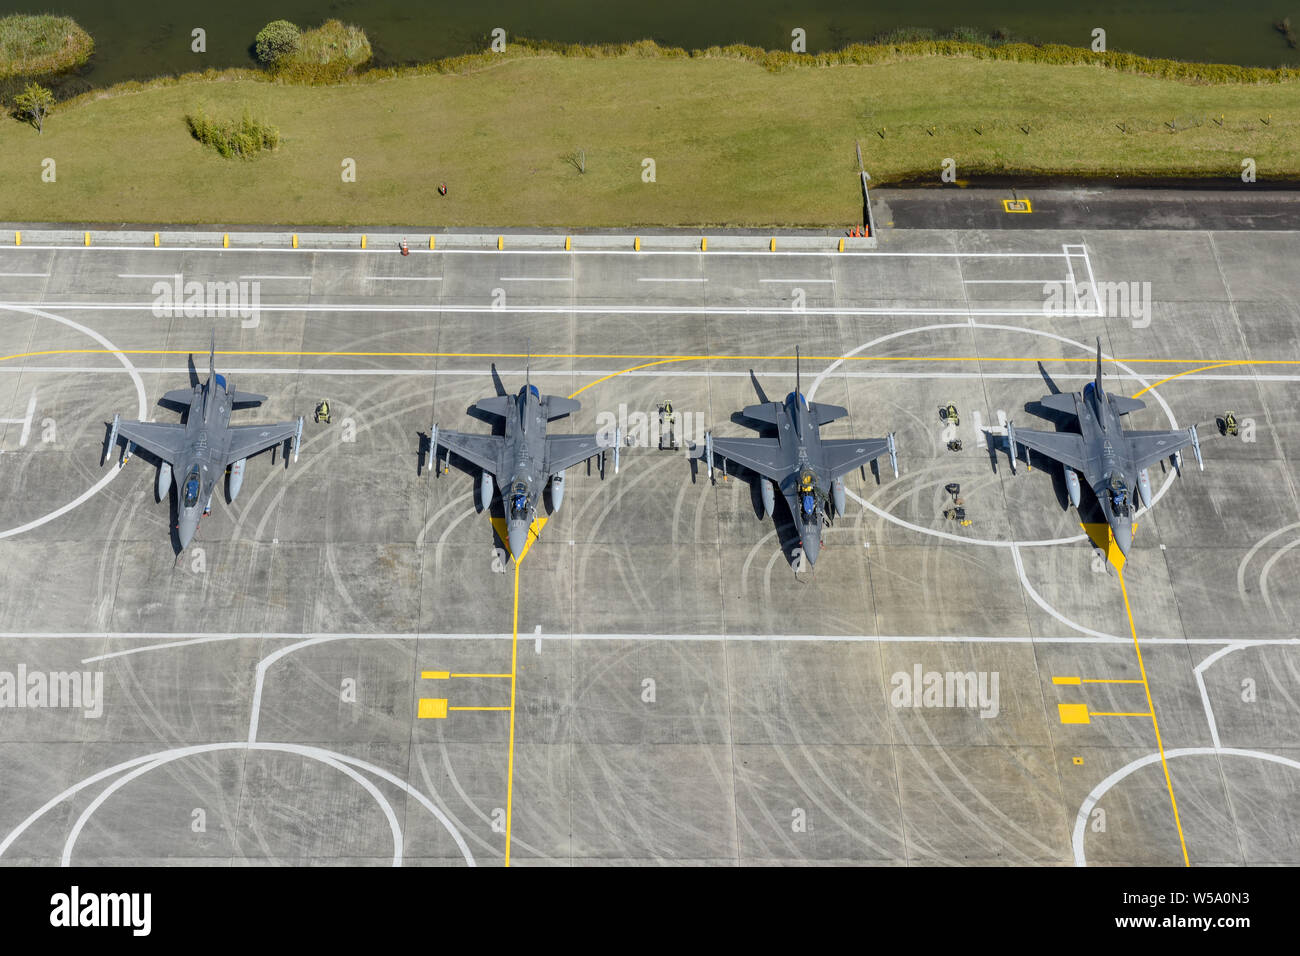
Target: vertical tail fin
{"type": "Point", "coordinates": [1098, 382]}
{"type": "Point", "coordinates": [797, 387]}
{"type": "Point", "coordinates": [212, 356]}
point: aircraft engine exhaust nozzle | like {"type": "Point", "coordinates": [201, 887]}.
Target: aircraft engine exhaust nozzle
{"type": "Point", "coordinates": [557, 491]}
{"type": "Point", "coordinates": [237, 477]}
{"type": "Point", "coordinates": [485, 492]}
{"type": "Point", "coordinates": [838, 496]}
{"type": "Point", "coordinates": [1072, 485]}
{"type": "Point", "coordinates": [769, 496]}
{"type": "Point", "coordinates": [1144, 487]}
{"type": "Point", "coordinates": [164, 480]}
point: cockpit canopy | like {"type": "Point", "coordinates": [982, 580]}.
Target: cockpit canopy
{"type": "Point", "coordinates": [191, 497]}
{"type": "Point", "coordinates": [518, 500]}
{"type": "Point", "coordinates": [1118, 492]}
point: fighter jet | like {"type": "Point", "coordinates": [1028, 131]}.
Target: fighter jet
{"type": "Point", "coordinates": [1110, 459]}
{"type": "Point", "coordinates": [808, 469]}
{"type": "Point", "coordinates": [203, 445]}
{"type": "Point", "coordinates": [525, 458]}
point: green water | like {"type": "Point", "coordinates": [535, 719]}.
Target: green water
{"type": "Point", "coordinates": [145, 38]}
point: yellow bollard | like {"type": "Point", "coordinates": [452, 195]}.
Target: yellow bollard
{"type": "Point", "coordinates": [501, 242]}
{"type": "Point", "coordinates": [18, 238]}
{"type": "Point", "coordinates": [363, 240]}
{"type": "Point", "coordinates": [431, 243]}
{"type": "Point", "coordinates": [771, 246]}
{"type": "Point", "coordinates": [568, 243]}
{"type": "Point", "coordinates": [225, 240]}
{"type": "Point", "coordinates": [704, 244]}
{"type": "Point", "coordinates": [156, 243]}
{"type": "Point", "coordinates": [87, 238]}
{"type": "Point", "coordinates": [636, 244]}
{"type": "Point", "coordinates": [841, 244]}
{"type": "Point", "coordinates": [295, 240]}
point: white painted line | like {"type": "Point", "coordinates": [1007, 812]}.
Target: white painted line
{"type": "Point", "coordinates": [657, 279]}
{"type": "Point", "coordinates": [537, 639]}
{"type": "Point", "coordinates": [24, 275]}
{"type": "Point", "coordinates": [582, 310]}
{"type": "Point", "coordinates": [535, 279]}
{"type": "Point", "coordinates": [804, 281]}
{"type": "Point", "coordinates": [405, 278]}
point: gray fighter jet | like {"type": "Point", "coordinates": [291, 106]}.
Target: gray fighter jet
{"type": "Point", "coordinates": [1110, 459]}
{"type": "Point", "coordinates": [203, 446]}
{"type": "Point", "coordinates": [524, 458]}
{"type": "Point", "coordinates": [808, 469]}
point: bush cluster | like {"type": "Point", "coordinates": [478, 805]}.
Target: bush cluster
{"type": "Point", "coordinates": [243, 138]}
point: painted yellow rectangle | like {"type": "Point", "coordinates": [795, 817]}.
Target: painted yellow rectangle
{"type": "Point", "coordinates": [1073, 713]}
{"type": "Point", "coordinates": [1065, 680]}
{"type": "Point", "coordinates": [1017, 205]}
{"type": "Point", "coordinates": [434, 675]}
{"type": "Point", "coordinates": [432, 707]}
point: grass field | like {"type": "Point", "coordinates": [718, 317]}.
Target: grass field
{"type": "Point", "coordinates": [733, 144]}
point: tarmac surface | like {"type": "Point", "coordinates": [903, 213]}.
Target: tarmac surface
{"type": "Point", "coordinates": [673, 689]}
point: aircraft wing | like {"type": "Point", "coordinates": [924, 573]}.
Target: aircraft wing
{"type": "Point", "coordinates": [246, 440]}
{"type": "Point", "coordinates": [167, 441]}
{"type": "Point", "coordinates": [565, 451]}
{"type": "Point", "coordinates": [845, 454]}
{"type": "Point", "coordinates": [481, 450]}
{"type": "Point", "coordinates": [761, 455]}
{"type": "Point", "coordinates": [1065, 447]}
{"type": "Point", "coordinates": [1147, 448]}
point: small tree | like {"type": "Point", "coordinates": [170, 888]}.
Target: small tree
{"type": "Point", "coordinates": [34, 104]}
{"type": "Point", "coordinates": [277, 40]}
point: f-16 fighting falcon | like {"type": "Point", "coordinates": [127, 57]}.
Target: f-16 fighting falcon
{"type": "Point", "coordinates": [204, 445]}
{"type": "Point", "coordinates": [525, 458]}
{"type": "Point", "coordinates": [1110, 459]}
{"type": "Point", "coordinates": [808, 469]}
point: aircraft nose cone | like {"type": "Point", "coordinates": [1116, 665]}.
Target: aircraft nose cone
{"type": "Point", "coordinates": [812, 546]}
{"type": "Point", "coordinates": [1123, 534]}
{"type": "Point", "coordinates": [185, 529]}
{"type": "Point", "coordinates": [518, 536]}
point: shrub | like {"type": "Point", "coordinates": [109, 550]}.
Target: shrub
{"type": "Point", "coordinates": [328, 54]}
{"type": "Point", "coordinates": [34, 104]}
{"type": "Point", "coordinates": [244, 138]}
{"type": "Point", "coordinates": [276, 41]}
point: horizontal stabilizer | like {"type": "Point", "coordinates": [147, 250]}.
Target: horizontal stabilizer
{"type": "Point", "coordinates": [1124, 405]}
{"type": "Point", "coordinates": [497, 405]}
{"type": "Point", "coordinates": [245, 398]}
{"type": "Point", "coordinates": [1060, 402]}
{"type": "Point", "coordinates": [761, 413]}
{"type": "Point", "coordinates": [557, 407]}
{"type": "Point", "coordinates": [827, 413]}
{"type": "Point", "coordinates": [178, 396]}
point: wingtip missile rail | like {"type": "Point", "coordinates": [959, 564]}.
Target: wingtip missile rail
{"type": "Point", "coordinates": [893, 453]}
{"type": "Point", "coordinates": [112, 439]}
{"type": "Point", "coordinates": [708, 452]}
{"type": "Point", "coordinates": [1196, 446]}
{"type": "Point", "coordinates": [1011, 445]}
{"type": "Point", "coordinates": [618, 443]}
{"type": "Point", "coordinates": [297, 440]}
{"type": "Point", "coordinates": [431, 459]}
